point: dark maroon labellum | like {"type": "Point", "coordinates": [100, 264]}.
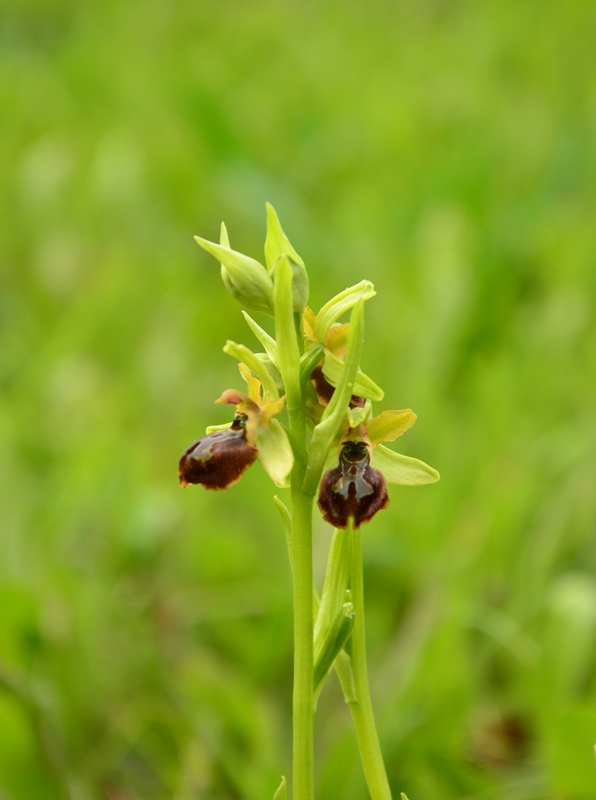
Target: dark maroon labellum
{"type": "Point", "coordinates": [218, 460]}
{"type": "Point", "coordinates": [353, 490]}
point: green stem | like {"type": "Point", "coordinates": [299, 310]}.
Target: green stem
{"type": "Point", "coordinates": [289, 349]}
{"type": "Point", "coordinates": [303, 708]}
{"type": "Point", "coordinates": [362, 712]}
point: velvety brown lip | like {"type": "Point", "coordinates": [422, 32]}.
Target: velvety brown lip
{"type": "Point", "coordinates": [217, 460]}
{"type": "Point", "coordinates": [352, 490]}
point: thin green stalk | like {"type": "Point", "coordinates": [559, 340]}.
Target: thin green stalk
{"type": "Point", "coordinates": [303, 705]}
{"type": "Point", "coordinates": [362, 712]}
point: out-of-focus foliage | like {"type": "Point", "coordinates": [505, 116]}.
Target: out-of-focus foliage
{"type": "Point", "coordinates": [443, 150]}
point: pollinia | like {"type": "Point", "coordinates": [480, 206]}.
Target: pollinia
{"type": "Point", "coordinates": [306, 415]}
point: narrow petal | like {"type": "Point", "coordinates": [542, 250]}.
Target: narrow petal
{"type": "Point", "coordinates": [402, 470]}
{"type": "Point", "coordinates": [337, 339]}
{"type": "Point", "coordinates": [271, 409]}
{"type": "Point", "coordinates": [275, 453]}
{"type": "Point", "coordinates": [253, 383]}
{"type": "Point", "coordinates": [389, 425]}
{"type": "Point", "coordinates": [308, 322]}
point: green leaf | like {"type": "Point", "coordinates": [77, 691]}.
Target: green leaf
{"type": "Point", "coordinates": [241, 353]}
{"type": "Point", "coordinates": [277, 246]}
{"type": "Point", "coordinates": [327, 651]}
{"type": "Point", "coordinates": [326, 431]}
{"type": "Point", "coordinates": [267, 341]}
{"type": "Point", "coordinates": [363, 387]}
{"type": "Point", "coordinates": [403, 796]}
{"type": "Point", "coordinates": [285, 332]}
{"type": "Point", "coordinates": [280, 794]}
{"type": "Point", "coordinates": [337, 577]}
{"type": "Point", "coordinates": [245, 279]}
{"type": "Point", "coordinates": [339, 304]}
{"type": "Point", "coordinates": [389, 425]}
{"type": "Point", "coordinates": [275, 453]}
{"type": "Point", "coordinates": [402, 470]}
{"type": "Point", "coordinates": [277, 243]}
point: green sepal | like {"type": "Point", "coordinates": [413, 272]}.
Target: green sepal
{"type": "Point", "coordinates": [277, 245]}
{"type": "Point", "coordinates": [280, 794]}
{"type": "Point", "coordinates": [309, 361]}
{"type": "Point", "coordinates": [242, 353]}
{"type": "Point", "coordinates": [402, 470]}
{"type": "Point", "coordinates": [245, 279]}
{"type": "Point", "coordinates": [363, 387]}
{"type": "Point", "coordinates": [327, 429]}
{"type": "Point", "coordinates": [267, 341]}
{"type": "Point", "coordinates": [275, 453]}
{"type": "Point", "coordinates": [389, 425]}
{"type": "Point", "coordinates": [402, 795]}
{"type": "Point", "coordinates": [327, 650]}
{"type": "Point", "coordinates": [339, 304]}
{"type": "Point", "coordinates": [218, 428]}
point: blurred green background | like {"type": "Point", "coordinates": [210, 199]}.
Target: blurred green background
{"type": "Point", "coordinates": [447, 152]}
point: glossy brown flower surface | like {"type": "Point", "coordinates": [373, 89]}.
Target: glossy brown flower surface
{"type": "Point", "coordinates": [352, 490]}
{"type": "Point", "coordinates": [218, 460]}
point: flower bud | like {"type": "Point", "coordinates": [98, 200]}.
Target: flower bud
{"type": "Point", "coordinates": [244, 278]}
{"type": "Point", "coordinates": [218, 460]}
{"type": "Point", "coordinates": [277, 246]}
{"type": "Point", "coordinates": [353, 490]}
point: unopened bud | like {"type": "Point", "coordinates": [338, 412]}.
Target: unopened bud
{"type": "Point", "coordinates": [244, 278]}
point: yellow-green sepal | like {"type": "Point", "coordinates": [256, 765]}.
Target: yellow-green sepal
{"type": "Point", "coordinates": [389, 425]}
{"type": "Point", "coordinates": [339, 304]}
{"type": "Point", "coordinates": [275, 453]}
{"type": "Point", "coordinates": [242, 353]}
{"type": "Point", "coordinates": [363, 385]}
{"type": "Point", "coordinates": [402, 470]}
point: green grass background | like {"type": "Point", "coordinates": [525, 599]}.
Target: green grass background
{"type": "Point", "coordinates": [447, 152]}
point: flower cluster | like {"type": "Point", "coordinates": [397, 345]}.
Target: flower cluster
{"type": "Point", "coordinates": [345, 456]}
